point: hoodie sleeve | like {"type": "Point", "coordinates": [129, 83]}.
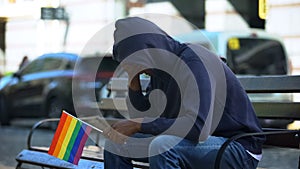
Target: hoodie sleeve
{"type": "Point", "coordinates": [194, 111]}
{"type": "Point", "coordinates": [139, 100]}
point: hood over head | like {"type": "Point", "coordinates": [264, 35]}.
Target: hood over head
{"type": "Point", "coordinates": [134, 34]}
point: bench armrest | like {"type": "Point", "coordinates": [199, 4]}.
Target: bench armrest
{"type": "Point", "coordinates": [236, 137]}
{"type": "Point", "coordinates": [34, 127]}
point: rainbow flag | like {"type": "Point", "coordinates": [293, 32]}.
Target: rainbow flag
{"type": "Point", "coordinates": [69, 138]}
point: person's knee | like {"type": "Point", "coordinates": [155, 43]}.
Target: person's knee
{"type": "Point", "coordinates": [112, 147]}
{"type": "Point", "coordinates": [163, 143]}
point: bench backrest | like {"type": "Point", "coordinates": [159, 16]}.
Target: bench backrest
{"type": "Point", "coordinates": [272, 96]}
{"type": "Point", "coordinates": [280, 91]}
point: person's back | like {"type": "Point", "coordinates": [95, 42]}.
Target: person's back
{"type": "Point", "coordinates": [239, 115]}
{"type": "Point", "coordinates": [200, 103]}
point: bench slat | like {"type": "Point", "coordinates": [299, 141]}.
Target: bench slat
{"type": "Point", "coordinates": [113, 104]}
{"type": "Point", "coordinates": [46, 160]}
{"type": "Point", "coordinates": [252, 84]}
{"type": "Point", "coordinates": [121, 84]}
{"type": "Point", "coordinates": [285, 110]}
{"type": "Point", "coordinates": [279, 110]}
{"type": "Point", "coordinates": [271, 84]}
{"type": "Point", "coordinates": [290, 140]}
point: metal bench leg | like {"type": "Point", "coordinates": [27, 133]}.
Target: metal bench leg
{"type": "Point", "coordinates": [233, 138]}
{"type": "Point", "coordinates": [299, 163]}
{"type": "Point", "coordinates": [19, 165]}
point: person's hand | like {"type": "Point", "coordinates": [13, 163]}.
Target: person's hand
{"type": "Point", "coordinates": [121, 130]}
{"type": "Point", "coordinates": [133, 71]}
{"type": "Point", "coordinates": [135, 84]}
{"type": "Point", "coordinates": [113, 135]}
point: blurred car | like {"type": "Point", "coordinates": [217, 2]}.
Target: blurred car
{"type": "Point", "coordinates": [253, 52]}
{"type": "Point", "coordinates": [44, 86]}
{"type": "Point", "coordinates": [92, 74]}
{"type": "Point", "coordinates": [40, 89]}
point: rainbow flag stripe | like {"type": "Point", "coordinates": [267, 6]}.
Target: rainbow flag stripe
{"type": "Point", "coordinates": [69, 138]}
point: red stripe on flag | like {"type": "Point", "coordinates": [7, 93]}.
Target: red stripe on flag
{"type": "Point", "coordinates": [82, 143]}
{"type": "Point", "coordinates": [62, 136]}
{"type": "Point", "coordinates": [57, 133]}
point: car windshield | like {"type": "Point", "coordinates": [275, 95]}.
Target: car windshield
{"type": "Point", "coordinates": [248, 56]}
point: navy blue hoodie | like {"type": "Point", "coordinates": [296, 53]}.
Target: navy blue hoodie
{"type": "Point", "coordinates": [201, 96]}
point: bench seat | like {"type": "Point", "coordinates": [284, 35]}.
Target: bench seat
{"type": "Point", "coordinates": [43, 159]}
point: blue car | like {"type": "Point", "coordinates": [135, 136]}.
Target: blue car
{"type": "Point", "coordinates": [44, 86]}
{"type": "Point", "coordinates": [40, 89]}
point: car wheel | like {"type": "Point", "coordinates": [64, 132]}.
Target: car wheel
{"type": "Point", "coordinates": [54, 110]}
{"type": "Point", "coordinates": [4, 117]}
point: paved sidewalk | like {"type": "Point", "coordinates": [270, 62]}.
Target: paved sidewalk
{"type": "Point", "coordinates": [280, 158]}
{"type": "Point", "coordinates": [13, 140]}
{"type": "Point", "coordinates": [6, 167]}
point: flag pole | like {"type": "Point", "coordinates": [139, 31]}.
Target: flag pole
{"type": "Point", "coordinates": [93, 127]}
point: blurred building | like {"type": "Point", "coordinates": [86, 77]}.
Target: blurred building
{"type": "Point", "coordinates": [33, 27]}
{"type": "Point", "coordinates": [282, 18]}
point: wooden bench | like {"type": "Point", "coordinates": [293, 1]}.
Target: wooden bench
{"type": "Point", "coordinates": [92, 156]}
{"type": "Point", "coordinates": [271, 109]}
{"type": "Point", "coordinates": [272, 98]}
{"type": "Point", "coordinates": [38, 156]}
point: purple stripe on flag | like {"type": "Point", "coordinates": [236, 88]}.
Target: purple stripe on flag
{"type": "Point", "coordinates": [76, 144]}
{"type": "Point", "coordinates": [82, 143]}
